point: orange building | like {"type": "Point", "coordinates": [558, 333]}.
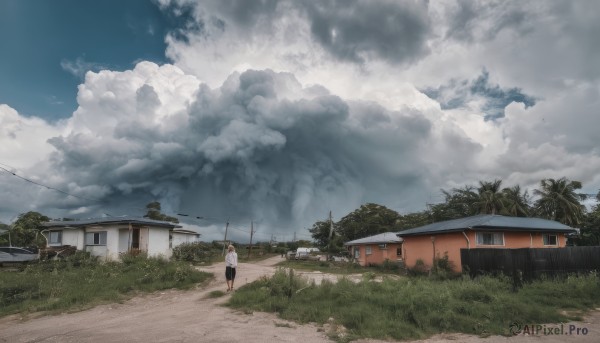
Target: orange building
{"type": "Point", "coordinates": [376, 249]}
{"type": "Point", "coordinates": [482, 231]}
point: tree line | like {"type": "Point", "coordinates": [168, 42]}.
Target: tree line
{"type": "Point", "coordinates": [555, 199]}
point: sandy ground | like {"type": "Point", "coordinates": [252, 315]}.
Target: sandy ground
{"type": "Point", "coordinates": [189, 316]}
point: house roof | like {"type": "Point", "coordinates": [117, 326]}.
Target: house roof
{"type": "Point", "coordinates": [186, 232]}
{"type": "Point", "coordinates": [489, 222]}
{"type": "Point", "coordinates": [386, 237]}
{"type": "Point", "coordinates": [109, 221]}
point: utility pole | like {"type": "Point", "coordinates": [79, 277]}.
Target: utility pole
{"type": "Point", "coordinates": [225, 238]}
{"type": "Point", "coordinates": [330, 234]}
{"type": "Point", "coordinates": [293, 240]}
{"type": "Point", "coordinates": [251, 233]}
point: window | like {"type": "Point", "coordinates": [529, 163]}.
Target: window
{"type": "Point", "coordinates": [55, 238]}
{"type": "Point", "coordinates": [382, 246]}
{"type": "Point", "coordinates": [356, 252]}
{"type": "Point", "coordinates": [399, 252]}
{"type": "Point", "coordinates": [368, 250]}
{"type": "Point", "coordinates": [490, 238]}
{"type": "Point", "coordinates": [550, 239]}
{"type": "Point", "coordinates": [95, 238]}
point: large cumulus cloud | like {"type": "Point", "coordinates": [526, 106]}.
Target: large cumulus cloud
{"type": "Point", "coordinates": [261, 146]}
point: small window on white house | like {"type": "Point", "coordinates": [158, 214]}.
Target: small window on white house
{"type": "Point", "coordinates": [368, 250]}
{"type": "Point", "coordinates": [490, 238]}
{"type": "Point", "coordinates": [95, 238]}
{"type": "Point", "coordinates": [550, 239]}
{"type": "Point", "coordinates": [55, 238]}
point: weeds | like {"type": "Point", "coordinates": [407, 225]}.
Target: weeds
{"type": "Point", "coordinates": [81, 281]}
{"type": "Point", "coordinates": [410, 308]}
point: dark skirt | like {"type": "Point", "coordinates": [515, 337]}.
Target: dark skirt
{"type": "Point", "coordinates": [229, 273]}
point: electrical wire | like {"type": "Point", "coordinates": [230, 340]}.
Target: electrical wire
{"type": "Point", "coordinates": [47, 187]}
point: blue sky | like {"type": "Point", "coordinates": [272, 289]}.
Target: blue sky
{"type": "Point", "coordinates": [41, 39]}
{"type": "Point", "coordinates": [279, 111]}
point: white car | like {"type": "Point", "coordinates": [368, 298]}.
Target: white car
{"type": "Point", "coordinates": [15, 254]}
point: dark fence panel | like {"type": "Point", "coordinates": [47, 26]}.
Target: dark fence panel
{"type": "Point", "coordinates": [531, 263]}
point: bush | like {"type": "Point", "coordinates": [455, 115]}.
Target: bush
{"type": "Point", "coordinates": [419, 269]}
{"type": "Point", "coordinates": [194, 252]}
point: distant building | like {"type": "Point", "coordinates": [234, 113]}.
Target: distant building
{"type": "Point", "coordinates": [376, 249]}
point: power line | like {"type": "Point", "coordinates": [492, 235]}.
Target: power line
{"type": "Point", "coordinates": [45, 186]}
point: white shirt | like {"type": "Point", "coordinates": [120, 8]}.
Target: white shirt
{"type": "Point", "coordinates": [231, 259]}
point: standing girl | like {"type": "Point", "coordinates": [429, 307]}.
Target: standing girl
{"type": "Point", "coordinates": [230, 266]}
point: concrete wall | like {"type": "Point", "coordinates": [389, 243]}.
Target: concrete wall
{"type": "Point", "coordinates": [422, 247]}
{"type": "Point", "coordinates": [158, 242]}
{"type": "Point", "coordinates": [378, 255]}
{"type": "Point", "coordinates": [180, 238]}
{"type": "Point", "coordinates": [74, 238]}
{"type": "Point", "coordinates": [124, 240]}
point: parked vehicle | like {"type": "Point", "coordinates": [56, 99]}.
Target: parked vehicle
{"type": "Point", "coordinates": [290, 255]}
{"type": "Point", "coordinates": [307, 254]}
{"type": "Point", "coordinates": [16, 254]}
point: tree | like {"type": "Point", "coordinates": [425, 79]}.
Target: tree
{"type": "Point", "coordinates": [590, 228]}
{"type": "Point", "coordinates": [415, 219]}
{"type": "Point", "coordinates": [4, 228]}
{"type": "Point", "coordinates": [320, 233]}
{"type": "Point", "coordinates": [368, 220]}
{"type": "Point", "coordinates": [155, 214]}
{"type": "Point", "coordinates": [25, 231]}
{"type": "Point", "coordinates": [558, 201]}
{"type": "Point", "coordinates": [516, 204]}
{"type": "Point", "coordinates": [460, 203]}
{"type": "Point", "coordinates": [490, 197]}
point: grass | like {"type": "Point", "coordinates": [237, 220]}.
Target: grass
{"type": "Point", "coordinates": [418, 307]}
{"type": "Point", "coordinates": [81, 282]}
{"type": "Point", "coordinates": [215, 294]}
{"type": "Point", "coordinates": [342, 268]}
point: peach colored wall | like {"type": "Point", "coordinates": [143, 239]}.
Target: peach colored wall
{"type": "Point", "coordinates": [378, 255]}
{"type": "Point", "coordinates": [421, 247]}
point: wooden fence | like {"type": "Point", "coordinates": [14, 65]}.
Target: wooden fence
{"type": "Point", "coordinates": [530, 263]}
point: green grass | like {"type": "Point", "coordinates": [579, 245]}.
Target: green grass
{"type": "Point", "coordinates": [410, 308]}
{"type": "Point", "coordinates": [342, 268]}
{"type": "Point", "coordinates": [81, 282]}
{"type": "Point", "coordinates": [215, 294]}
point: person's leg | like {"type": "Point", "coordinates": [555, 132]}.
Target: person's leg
{"type": "Point", "coordinates": [232, 277]}
{"type": "Point", "coordinates": [228, 278]}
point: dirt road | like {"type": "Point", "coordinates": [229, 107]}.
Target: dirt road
{"type": "Point", "coordinates": [188, 316]}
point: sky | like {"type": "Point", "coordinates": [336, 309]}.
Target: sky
{"type": "Point", "coordinates": [277, 112]}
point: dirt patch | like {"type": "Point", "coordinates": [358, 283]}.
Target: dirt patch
{"type": "Point", "coordinates": [192, 316]}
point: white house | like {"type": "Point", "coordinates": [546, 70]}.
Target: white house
{"type": "Point", "coordinates": [180, 236]}
{"type": "Point", "coordinates": [111, 236]}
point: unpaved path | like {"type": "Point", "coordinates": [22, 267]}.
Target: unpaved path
{"type": "Point", "coordinates": [188, 316]}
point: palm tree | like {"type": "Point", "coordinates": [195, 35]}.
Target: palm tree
{"type": "Point", "coordinates": [516, 204]}
{"type": "Point", "coordinates": [490, 197]}
{"type": "Point", "coordinates": [558, 201]}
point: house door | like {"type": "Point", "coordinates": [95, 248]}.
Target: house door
{"type": "Point", "coordinates": [135, 239]}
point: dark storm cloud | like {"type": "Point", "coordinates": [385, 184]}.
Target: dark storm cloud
{"type": "Point", "coordinates": [261, 146]}
{"type": "Point", "coordinates": [356, 30]}
{"type": "Point", "coordinates": [483, 20]}
{"type": "Point", "coordinates": [456, 94]}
